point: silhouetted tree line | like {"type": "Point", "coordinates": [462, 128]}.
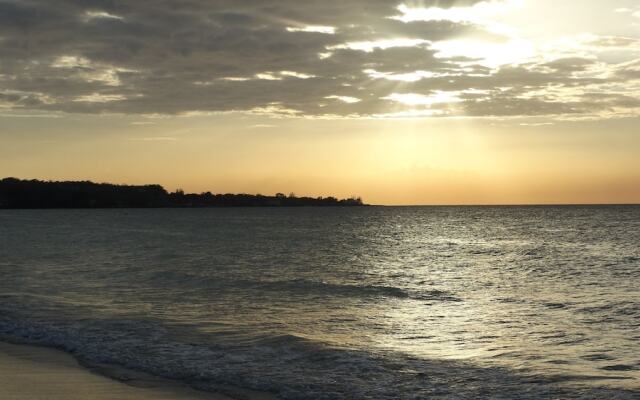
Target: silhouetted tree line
{"type": "Point", "coordinates": [16, 193]}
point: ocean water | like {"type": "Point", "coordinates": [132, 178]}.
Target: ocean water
{"type": "Point", "coordinates": [338, 303]}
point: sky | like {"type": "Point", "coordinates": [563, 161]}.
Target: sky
{"type": "Point", "coordinates": [414, 102]}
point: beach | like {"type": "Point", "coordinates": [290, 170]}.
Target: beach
{"type": "Point", "coordinates": [39, 373]}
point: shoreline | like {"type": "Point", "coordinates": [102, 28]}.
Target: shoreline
{"type": "Point", "coordinates": [30, 372]}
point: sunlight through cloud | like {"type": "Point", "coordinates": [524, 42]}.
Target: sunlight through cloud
{"type": "Point", "coordinates": [415, 99]}
{"type": "Point", "coordinates": [406, 77]}
{"type": "Point", "coordinates": [316, 60]}
{"type": "Point", "coordinates": [329, 30]}
{"type": "Point", "coordinates": [489, 54]}
{"type": "Point", "coordinates": [101, 14]}
{"type": "Point", "coordinates": [481, 14]}
{"type": "Point", "coordinates": [369, 46]}
{"type": "Point", "coordinates": [298, 75]}
{"type": "Point", "coordinates": [345, 99]}
{"type": "Point", "coordinates": [99, 98]}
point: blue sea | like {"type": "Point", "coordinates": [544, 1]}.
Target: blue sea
{"type": "Point", "coordinates": [337, 303]}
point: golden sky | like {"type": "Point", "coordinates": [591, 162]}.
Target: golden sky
{"type": "Point", "coordinates": [422, 102]}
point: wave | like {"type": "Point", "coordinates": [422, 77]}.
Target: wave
{"type": "Point", "coordinates": [352, 290]}
{"type": "Point", "coordinates": [303, 286]}
{"type": "Point", "coordinates": [287, 365]}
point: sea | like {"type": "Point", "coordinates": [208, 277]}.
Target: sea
{"type": "Point", "coordinates": [337, 303]}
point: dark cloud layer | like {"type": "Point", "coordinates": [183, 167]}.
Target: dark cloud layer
{"type": "Point", "coordinates": [288, 57]}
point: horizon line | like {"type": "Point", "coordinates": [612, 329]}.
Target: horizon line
{"type": "Point", "coordinates": [506, 205]}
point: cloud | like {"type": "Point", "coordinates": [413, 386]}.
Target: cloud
{"type": "Point", "coordinates": [263, 126]}
{"type": "Point", "coordinates": [288, 58]}
{"type": "Point", "coordinates": [613, 41]}
{"type": "Point", "coordinates": [634, 12]}
{"type": "Point", "coordinates": [153, 139]}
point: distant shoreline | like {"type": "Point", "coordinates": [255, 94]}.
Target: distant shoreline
{"type": "Point", "coordinates": [35, 194]}
{"type": "Point", "coordinates": [362, 206]}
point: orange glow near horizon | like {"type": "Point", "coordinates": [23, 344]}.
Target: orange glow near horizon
{"type": "Point", "coordinates": [388, 162]}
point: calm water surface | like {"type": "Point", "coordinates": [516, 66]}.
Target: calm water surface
{"type": "Point", "coordinates": [358, 303]}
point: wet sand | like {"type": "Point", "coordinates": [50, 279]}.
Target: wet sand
{"type": "Point", "coordinates": [37, 373]}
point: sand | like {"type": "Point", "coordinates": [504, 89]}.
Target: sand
{"type": "Point", "coordinates": [37, 373]}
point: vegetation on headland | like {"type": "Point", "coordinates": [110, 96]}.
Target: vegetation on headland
{"type": "Point", "coordinates": [16, 193]}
